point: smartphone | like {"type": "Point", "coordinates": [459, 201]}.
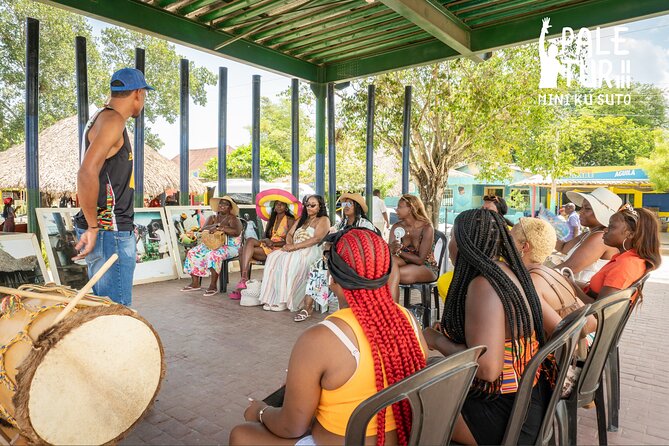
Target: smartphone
{"type": "Point", "coordinates": [276, 398]}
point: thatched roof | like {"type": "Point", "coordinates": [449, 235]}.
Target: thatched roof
{"type": "Point", "coordinates": [59, 162]}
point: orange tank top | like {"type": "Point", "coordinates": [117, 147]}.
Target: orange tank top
{"type": "Point", "coordinates": [336, 406]}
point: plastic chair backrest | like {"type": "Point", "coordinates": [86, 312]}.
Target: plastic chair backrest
{"type": "Point", "coordinates": [610, 313]}
{"type": "Point", "coordinates": [562, 345]}
{"type": "Point", "coordinates": [441, 237]}
{"type": "Point", "coordinates": [436, 394]}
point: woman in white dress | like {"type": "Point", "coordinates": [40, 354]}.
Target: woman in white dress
{"type": "Point", "coordinates": [287, 270]}
{"type": "Point", "coordinates": [587, 253]}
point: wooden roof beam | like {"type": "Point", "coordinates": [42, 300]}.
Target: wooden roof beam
{"type": "Point", "coordinates": [432, 17]}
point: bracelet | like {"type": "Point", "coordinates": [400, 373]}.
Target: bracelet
{"type": "Point", "coordinates": [262, 411]}
{"type": "Point", "coordinates": [94, 227]}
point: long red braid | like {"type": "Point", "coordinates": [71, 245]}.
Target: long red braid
{"type": "Point", "coordinates": [395, 348]}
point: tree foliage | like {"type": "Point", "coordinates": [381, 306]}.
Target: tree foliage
{"type": "Point", "coordinates": [606, 140]}
{"type": "Point", "coordinates": [115, 48]}
{"type": "Point", "coordinates": [272, 165]}
{"type": "Point", "coordinates": [657, 164]}
{"type": "Point", "coordinates": [462, 112]}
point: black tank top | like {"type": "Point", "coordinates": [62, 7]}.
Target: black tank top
{"type": "Point", "coordinates": [116, 210]}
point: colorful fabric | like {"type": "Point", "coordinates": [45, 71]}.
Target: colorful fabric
{"type": "Point", "coordinates": [286, 273]}
{"type": "Point", "coordinates": [620, 272]}
{"type": "Point", "coordinates": [512, 370]}
{"type": "Point", "coordinates": [201, 259]}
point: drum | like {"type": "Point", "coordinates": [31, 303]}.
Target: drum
{"type": "Point", "coordinates": [86, 380]}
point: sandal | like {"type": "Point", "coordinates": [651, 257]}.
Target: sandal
{"type": "Point", "coordinates": [241, 285]}
{"type": "Point", "coordinates": [188, 288]}
{"type": "Point", "coordinates": [235, 295]}
{"type": "Point", "coordinates": [279, 307]}
{"type": "Point", "coordinates": [210, 292]}
{"type": "Point", "coordinates": [302, 315]}
{"type": "Point", "coordinates": [266, 307]}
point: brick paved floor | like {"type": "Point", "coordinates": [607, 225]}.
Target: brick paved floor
{"type": "Point", "coordinates": [218, 354]}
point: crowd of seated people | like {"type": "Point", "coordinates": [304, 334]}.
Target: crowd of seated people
{"type": "Point", "coordinates": [504, 294]}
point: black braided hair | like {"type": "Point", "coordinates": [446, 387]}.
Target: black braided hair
{"type": "Point", "coordinates": [272, 219]}
{"type": "Point", "coordinates": [482, 238]}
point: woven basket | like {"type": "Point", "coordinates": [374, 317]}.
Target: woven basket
{"type": "Point", "coordinates": [214, 240]}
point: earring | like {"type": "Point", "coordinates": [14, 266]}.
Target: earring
{"type": "Point", "coordinates": [624, 249]}
{"type": "Point", "coordinates": [522, 254]}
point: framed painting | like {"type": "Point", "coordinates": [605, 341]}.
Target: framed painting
{"type": "Point", "coordinates": [155, 253]}
{"type": "Point", "coordinates": [57, 228]}
{"type": "Point", "coordinates": [154, 249]}
{"type": "Point", "coordinates": [183, 222]}
{"type": "Point", "coordinates": [21, 260]}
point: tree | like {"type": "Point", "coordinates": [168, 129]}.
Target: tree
{"type": "Point", "coordinates": [606, 140]}
{"type": "Point", "coordinates": [275, 127]}
{"type": "Point", "coordinates": [57, 88]}
{"type": "Point", "coordinates": [162, 73]}
{"type": "Point", "coordinates": [657, 164]}
{"type": "Point", "coordinates": [272, 165]}
{"type": "Point", "coordinates": [462, 112]}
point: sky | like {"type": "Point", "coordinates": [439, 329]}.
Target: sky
{"type": "Point", "coordinates": [647, 42]}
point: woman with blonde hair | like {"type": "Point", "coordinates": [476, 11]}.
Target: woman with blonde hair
{"type": "Point", "coordinates": [412, 242]}
{"type": "Point", "coordinates": [535, 238]}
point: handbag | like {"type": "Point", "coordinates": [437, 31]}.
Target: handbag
{"type": "Point", "coordinates": [214, 240]}
{"type": "Point", "coordinates": [252, 290]}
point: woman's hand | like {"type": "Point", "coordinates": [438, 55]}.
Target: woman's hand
{"type": "Point", "coordinates": [267, 242]}
{"type": "Point", "coordinates": [251, 412]}
{"type": "Point", "coordinates": [395, 247]}
{"type": "Point", "coordinates": [289, 247]}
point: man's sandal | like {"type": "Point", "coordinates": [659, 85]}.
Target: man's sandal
{"type": "Point", "coordinates": [210, 292]}
{"type": "Point", "coordinates": [302, 315]}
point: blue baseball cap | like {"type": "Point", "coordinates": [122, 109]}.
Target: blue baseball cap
{"type": "Point", "coordinates": [127, 79]}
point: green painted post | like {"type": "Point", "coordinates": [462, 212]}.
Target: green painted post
{"type": "Point", "coordinates": [31, 125]}
{"type": "Point", "coordinates": [320, 93]}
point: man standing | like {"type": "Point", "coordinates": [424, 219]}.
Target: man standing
{"type": "Point", "coordinates": [106, 188]}
{"type": "Point", "coordinates": [380, 213]}
{"type": "Point", "coordinates": [573, 221]}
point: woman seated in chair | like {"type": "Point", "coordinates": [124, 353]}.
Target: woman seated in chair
{"type": "Point", "coordinates": [280, 221]}
{"type": "Point", "coordinates": [491, 301]}
{"type": "Point", "coordinates": [634, 235]}
{"type": "Point", "coordinates": [332, 367]}
{"type": "Point", "coordinates": [354, 210]}
{"type": "Point", "coordinates": [286, 270]}
{"type": "Point", "coordinates": [535, 238]}
{"type": "Point", "coordinates": [413, 252]}
{"type": "Point", "coordinates": [587, 253]}
{"type": "Point", "coordinates": [497, 204]}
{"type": "Point", "coordinates": [200, 261]}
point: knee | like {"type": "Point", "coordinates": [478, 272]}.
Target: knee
{"type": "Point", "coordinates": [238, 435]}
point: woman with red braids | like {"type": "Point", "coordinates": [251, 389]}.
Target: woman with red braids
{"type": "Point", "coordinates": [369, 344]}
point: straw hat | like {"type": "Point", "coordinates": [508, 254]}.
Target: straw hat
{"type": "Point", "coordinates": [604, 203]}
{"type": "Point", "coordinates": [213, 202]}
{"type": "Point", "coordinates": [357, 198]}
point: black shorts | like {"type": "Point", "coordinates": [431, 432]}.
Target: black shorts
{"type": "Point", "coordinates": [487, 419]}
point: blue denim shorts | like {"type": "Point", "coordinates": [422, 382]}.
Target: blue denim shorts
{"type": "Point", "coordinates": [116, 283]}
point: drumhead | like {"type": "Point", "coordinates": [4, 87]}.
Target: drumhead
{"type": "Point", "coordinates": [96, 375]}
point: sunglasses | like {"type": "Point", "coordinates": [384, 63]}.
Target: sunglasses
{"type": "Point", "coordinates": [346, 204]}
{"type": "Point", "coordinates": [629, 210]}
{"type": "Point", "coordinates": [311, 205]}
{"type": "Point", "coordinates": [493, 198]}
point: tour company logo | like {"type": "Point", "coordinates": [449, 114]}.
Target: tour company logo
{"type": "Point", "coordinates": [583, 64]}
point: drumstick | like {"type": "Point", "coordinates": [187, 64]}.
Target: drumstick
{"type": "Point", "coordinates": [88, 287]}
{"type": "Point", "coordinates": [31, 294]}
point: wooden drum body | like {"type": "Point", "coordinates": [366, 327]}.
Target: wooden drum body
{"type": "Point", "coordinates": [86, 380]}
